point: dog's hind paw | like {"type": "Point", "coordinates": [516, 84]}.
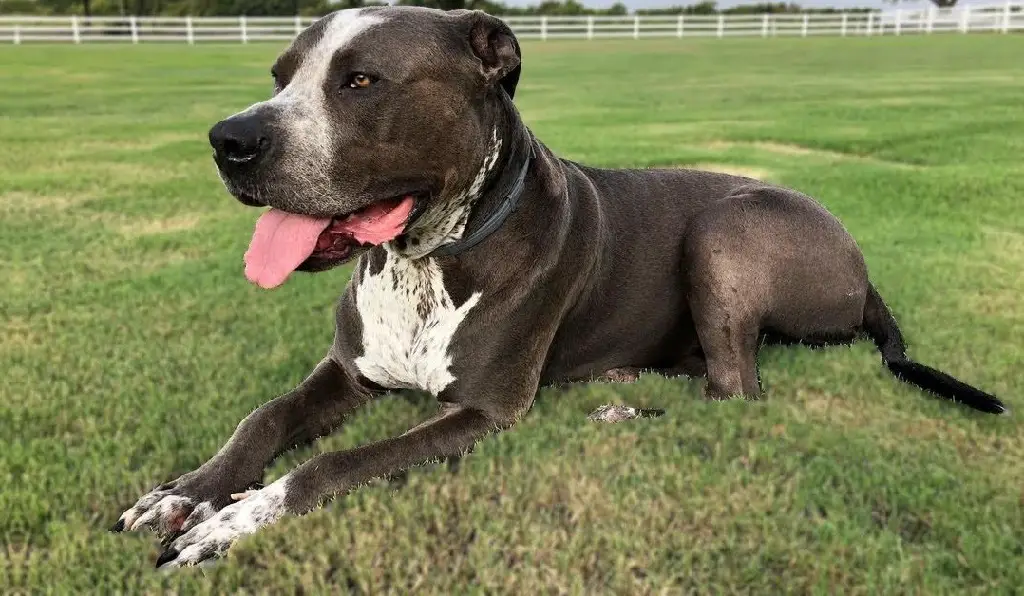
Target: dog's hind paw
{"type": "Point", "coordinates": [211, 538]}
{"type": "Point", "coordinates": [620, 375]}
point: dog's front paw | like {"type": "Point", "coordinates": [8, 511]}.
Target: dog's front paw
{"type": "Point", "coordinates": [174, 507]}
{"type": "Point", "coordinates": [212, 537]}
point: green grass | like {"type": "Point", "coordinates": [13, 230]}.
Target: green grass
{"type": "Point", "coordinates": [133, 345]}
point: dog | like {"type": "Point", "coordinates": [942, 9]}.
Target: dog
{"type": "Point", "coordinates": [487, 267]}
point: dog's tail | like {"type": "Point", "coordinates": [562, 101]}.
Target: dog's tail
{"type": "Point", "coordinates": [881, 327]}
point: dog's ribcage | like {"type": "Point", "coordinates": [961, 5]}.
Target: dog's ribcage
{"type": "Point", "coordinates": [408, 321]}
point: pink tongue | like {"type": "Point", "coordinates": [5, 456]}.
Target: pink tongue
{"type": "Point", "coordinates": [378, 223]}
{"type": "Point", "coordinates": [281, 242]}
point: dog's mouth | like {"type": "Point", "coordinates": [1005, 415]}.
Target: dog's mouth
{"type": "Point", "coordinates": [285, 242]}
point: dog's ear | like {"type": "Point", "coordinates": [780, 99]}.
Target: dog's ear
{"type": "Point", "coordinates": [495, 45]}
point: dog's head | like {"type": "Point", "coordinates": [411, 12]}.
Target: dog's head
{"type": "Point", "coordinates": [381, 125]}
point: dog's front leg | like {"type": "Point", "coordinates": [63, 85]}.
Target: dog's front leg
{"type": "Point", "coordinates": [452, 432]}
{"type": "Point", "coordinates": [314, 408]}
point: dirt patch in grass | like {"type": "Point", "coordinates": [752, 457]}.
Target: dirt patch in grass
{"type": "Point", "coordinates": [18, 336]}
{"type": "Point", "coordinates": [689, 128]}
{"type": "Point", "coordinates": [26, 202]}
{"type": "Point", "coordinates": [113, 173]}
{"type": "Point", "coordinates": [736, 170]}
{"type": "Point", "coordinates": [145, 143]}
{"type": "Point", "coordinates": [898, 101]}
{"type": "Point", "coordinates": [785, 148]}
{"type": "Point", "coordinates": [1003, 255]}
{"type": "Point", "coordinates": [791, 149]}
{"type": "Point", "coordinates": [983, 449]}
{"type": "Point", "coordinates": [126, 172]}
{"type": "Point", "coordinates": [772, 147]}
{"type": "Point", "coordinates": [146, 265]}
{"type": "Point", "coordinates": [836, 409]}
{"type": "Point", "coordinates": [147, 227]}
{"type": "Point", "coordinates": [1007, 244]}
{"type": "Point", "coordinates": [994, 302]}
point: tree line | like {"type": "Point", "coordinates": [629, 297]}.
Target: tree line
{"type": "Point", "coordinates": [311, 8]}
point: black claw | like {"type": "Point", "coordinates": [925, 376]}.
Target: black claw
{"type": "Point", "coordinates": [166, 557]}
{"type": "Point", "coordinates": [170, 537]}
{"type": "Point", "coordinates": [650, 412]}
{"type": "Point", "coordinates": [119, 526]}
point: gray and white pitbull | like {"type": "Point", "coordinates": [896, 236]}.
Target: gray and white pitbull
{"type": "Point", "coordinates": [489, 267]}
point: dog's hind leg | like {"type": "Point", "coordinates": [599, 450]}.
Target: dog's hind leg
{"type": "Point", "coordinates": [729, 337]}
{"type": "Point", "coordinates": [764, 262]}
{"type": "Point", "coordinates": [723, 292]}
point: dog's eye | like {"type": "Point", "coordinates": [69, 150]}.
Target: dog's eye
{"type": "Point", "coordinates": [359, 80]}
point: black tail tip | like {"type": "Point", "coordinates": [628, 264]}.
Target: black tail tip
{"type": "Point", "coordinates": [945, 386]}
{"type": "Point", "coordinates": [993, 407]}
{"type": "Point", "coordinates": [987, 404]}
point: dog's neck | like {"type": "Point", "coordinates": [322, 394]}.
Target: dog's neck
{"type": "Point", "coordinates": [459, 222]}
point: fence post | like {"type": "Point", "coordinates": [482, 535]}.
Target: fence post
{"type": "Point", "coordinates": [636, 27]}
{"type": "Point", "coordinates": [764, 25]}
{"type": "Point", "coordinates": [243, 32]}
{"type": "Point", "coordinates": [544, 28]}
{"type": "Point", "coordinates": [74, 29]}
{"type": "Point", "coordinates": [930, 24]}
{"type": "Point", "coordinates": [17, 34]}
{"type": "Point", "coordinates": [721, 24]}
{"type": "Point", "coordinates": [1006, 16]}
{"type": "Point", "coordinates": [803, 29]}
{"type": "Point", "coordinates": [965, 18]}
{"type": "Point", "coordinates": [189, 34]}
{"type": "Point", "coordinates": [842, 30]}
{"type": "Point", "coordinates": [590, 27]}
{"type": "Point", "coordinates": [298, 24]}
{"type": "Point", "coordinates": [679, 27]}
{"type": "Point", "coordinates": [133, 23]}
{"type": "Point", "coordinates": [899, 21]}
{"type": "Point", "coordinates": [867, 29]}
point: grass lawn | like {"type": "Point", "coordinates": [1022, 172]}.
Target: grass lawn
{"type": "Point", "coordinates": [133, 344]}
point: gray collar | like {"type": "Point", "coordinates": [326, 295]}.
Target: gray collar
{"type": "Point", "coordinates": [494, 219]}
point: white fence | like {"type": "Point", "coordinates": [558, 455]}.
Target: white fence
{"type": "Point", "coordinates": [992, 18]}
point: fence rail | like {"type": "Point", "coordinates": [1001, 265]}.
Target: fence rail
{"type": "Point", "coordinates": [990, 18]}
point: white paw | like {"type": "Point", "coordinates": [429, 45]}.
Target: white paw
{"type": "Point", "coordinates": [164, 511]}
{"type": "Point", "coordinates": [213, 537]}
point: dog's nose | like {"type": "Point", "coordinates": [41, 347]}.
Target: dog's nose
{"type": "Point", "coordinates": [240, 139]}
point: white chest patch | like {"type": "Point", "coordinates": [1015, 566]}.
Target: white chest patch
{"type": "Point", "coordinates": [408, 321]}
